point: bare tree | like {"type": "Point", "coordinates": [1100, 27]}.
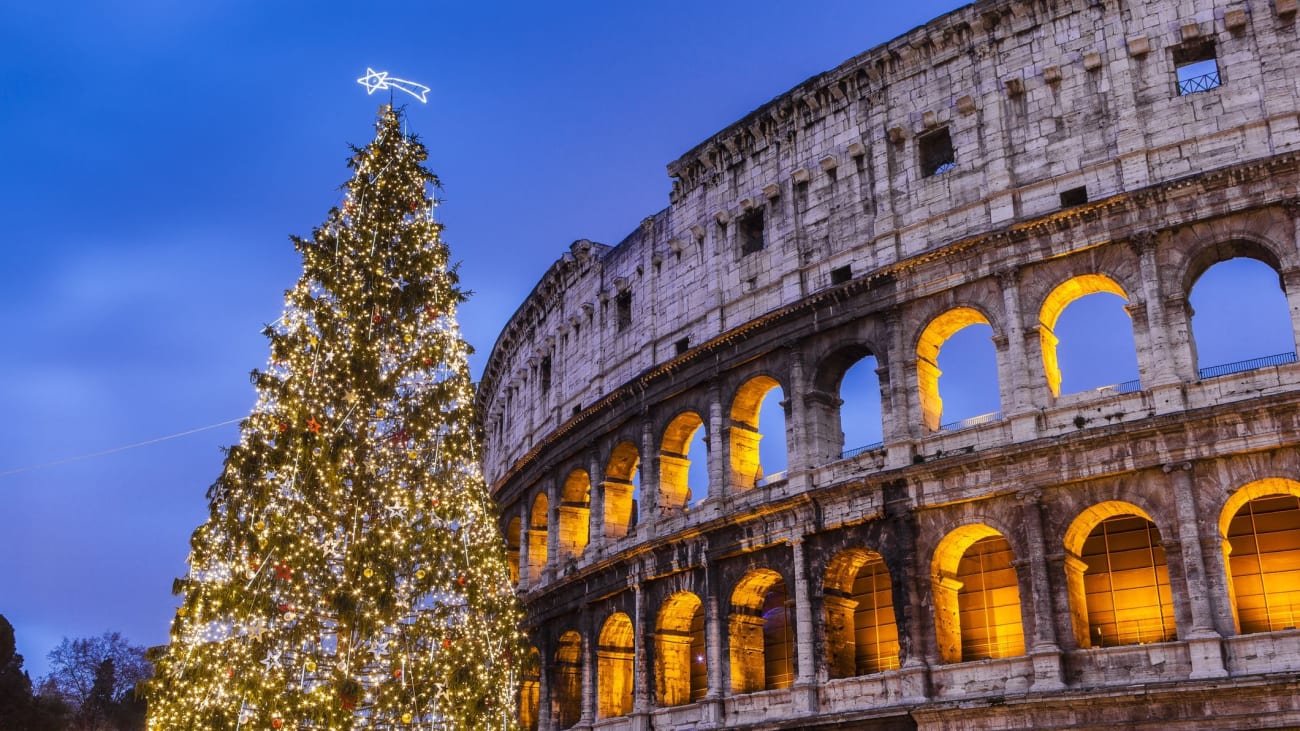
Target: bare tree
{"type": "Point", "coordinates": [96, 677]}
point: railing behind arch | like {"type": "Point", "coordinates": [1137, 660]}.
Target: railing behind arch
{"type": "Point", "coordinates": [1246, 365]}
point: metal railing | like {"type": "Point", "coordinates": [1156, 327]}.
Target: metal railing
{"type": "Point", "coordinates": [1132, 386]}
{"type": "Point", "coordinates": [1246, 365]}
{"type": "Point", "coordinates": [973, 421]}
{"type": "Point", "coordinates": [770, 479]}
{"type": "Point", "coordinates": [1204, 82]}
{"type": "Point", "coordinates": [862, 450]}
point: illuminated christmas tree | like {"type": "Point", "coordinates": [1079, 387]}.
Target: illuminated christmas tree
{"type": "Point", "coordinates": [351, 574]}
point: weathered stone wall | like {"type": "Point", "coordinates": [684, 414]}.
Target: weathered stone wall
{"type": "Point", "coordinates": [1039, 98]}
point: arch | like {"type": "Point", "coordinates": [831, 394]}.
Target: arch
{"type": "Point", "coordinates": [976, 591]}
{"type": "Point", "coordinates": [861, 632]}
{"type": "Point", "coordinates": [680, 668]}
{"type": "Point", "coordinates": [675, 492]}
{"type": "Point", "coordinates": [512, 547]}
{"type": "Point", "coordinates": [932, 339]}
{"type": "Point", "coordinates": [574, 514]}
{"type": "Point", "coordinates": [537, 530]}
{"type": "Point", "coordinates": [761, 633]}
{"type": "Point", "coordinates": [746, 432]}
{"type": "Point", "coordinates": [1065, 294]}
{"type": "Point", "coordinates": [1260, 530]}
{"type": "Point", "coordinates": [567, 692]}
{"type": "Point", "coordinates": [614, 667]}
{"type": "Point", "coordinates": [1117, 579]}
{"type": "Point", "coordinates": [530, 689]}
{"type": "Point", "coordinates": [1238, 247]}
{"type": "Point", "coordinates": [621, 490]}
{"type": "Point", "coordinates": [844, 410]}
{"type": "Point", "coordinates": [1239, 311]}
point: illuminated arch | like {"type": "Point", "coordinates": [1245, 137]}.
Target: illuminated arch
{"type": "Point", "coordinates": [861, 634]}
{"type": "Point", "coordinates": [537, 530]}
{"type": "Point", "coordinates": [512, 548]}
{"type": "Point", "coordinates": [567, 693]}
{"type": "Point", "coordinates": [614, 654]}
{"type": "Point", "coordinates": [675, 492]}
{"type": "Point", "coordinates": [927, 358]}
{"type": "Point", "coordinates": [574, 514]}
{"type": "Point", "coordinates": [976, 596]}
{"type": "Point", "coordinates": [761, 633]}
{"type": "Point", "coordinates": [1056, 302]}
{"type": "Point", "coordinates": [680, 668]}
{"type": "Point", "coordinates": [1117, 578]}
{"type": "Point", "coordinates": [1260, 530]}
{"type": "Point", "coordinates": [530, 689]}
{"type": "Point", "coordinates": [746, 465]}
{"type": "Point", "coordinates": [620, 491]}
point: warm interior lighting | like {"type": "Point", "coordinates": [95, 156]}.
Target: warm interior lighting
{"type": "Point", "coordinates": [567, 688]}
{"type": "Point", "coordinates": [927, 358]}
{"type": "Point", "coordinates": [620, 491]}
{"type": "Point", "coordinates": [1261, 531]}
{"type": "Point", "coordinates": [976, 596]}
{"type": "Point", "coordinates": [530, 689]}
{"type": "Point", "coordinates": [1054, 305]}
{"type": "Point", "coordinates": [675, 461]}
{"type": "Point", "coordinates": [680, 669]}
{"type": "Point", "coordinates": [1117, 578]}
{"type": "Point", "coordinates": [537, 523]}
{"type": "Point", "coordinates": [512, 548]}
{"type": "Point", "coordinates": [746, 466]}
{"type": "Point", "coordinates": [614, 667]}
{"type": "Point", "coordinates": [575, 514]}
{"type": "Point", "coordinates": [861, 634]}
{"type": "Point", "coordinates": [762, 636]}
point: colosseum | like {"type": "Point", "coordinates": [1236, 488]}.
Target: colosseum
{"type": "Point", "coordinates": [1117, 557]}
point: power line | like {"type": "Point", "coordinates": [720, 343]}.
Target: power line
{"type": "Point", "coordinates": [115, 450]}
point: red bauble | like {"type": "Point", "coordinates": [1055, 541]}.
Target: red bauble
{"type": "Point", "coordinates": [397, 673]}
{"type": "Point", "coordinates": [461, 580]}
{"type": "Point", "coordinates": [276, 723]}
{"type": "Point", "coordinates": [446, 643]}
{"type": "Point", "coordinates": [283, 572]}
{"type": "Point", "coordinates": [379, 318]}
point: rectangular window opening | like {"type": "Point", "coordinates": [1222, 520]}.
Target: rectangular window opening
{"type": "Point", "coordinates": [624, 305]}
{"type": "Point", "coordinates": [1197, 67]}
{"type": "Point", "coordinates": [749, 232]}
{"type": "Point", "coordinates": [937, 154]}
{"type": "Point", "coordinates": [840, 275]}
{"type": "Point", "coordinates": [682, 345]}
{"type": "Point", "coordinates": [1074, 196]}
{"type": "Point", "coordinates": [546, 374]}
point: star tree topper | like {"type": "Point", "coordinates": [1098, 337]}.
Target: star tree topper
{"type": "Point", "coordinates": [378, 80]}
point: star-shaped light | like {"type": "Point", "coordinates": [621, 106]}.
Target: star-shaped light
{"type": "Point", "coordinates": [379, 80]}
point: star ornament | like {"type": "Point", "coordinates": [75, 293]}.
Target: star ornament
{"type": "Point", "coordinates": [380, 80]}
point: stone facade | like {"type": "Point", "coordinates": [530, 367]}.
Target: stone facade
{"type": "Point", "coordinates": [992, 167]}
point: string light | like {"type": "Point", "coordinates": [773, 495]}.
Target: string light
{"type": "Point", "coordinates": [351, 574]}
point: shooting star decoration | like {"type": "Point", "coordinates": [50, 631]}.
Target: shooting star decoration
{"type": "Point", "coordinates": [377, 80]}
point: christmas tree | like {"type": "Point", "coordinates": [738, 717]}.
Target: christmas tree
{"type": "Point", "coordinates": [351, 574]}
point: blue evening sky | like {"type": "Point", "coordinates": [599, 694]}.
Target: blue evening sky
{"type": "Point", "coordinates": [160, 153]}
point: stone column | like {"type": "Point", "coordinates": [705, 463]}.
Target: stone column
{"type": "Point", "coordinates": [525, 538]}
{"type": "Point", "coordinates": [718, 671]}
{"type": "Point", "coordinates": [552, 529]}
{"type": "Point", "coordinates": [1019, 388]}
{"type": "Point", "coordinates": [898, 429]}
{"type": "Point", "coordinates": [649, 506]}
{"type": "Point", "coordinates": [717, 463]}
{"type": "Point", "coordinates": [1203, 641]}
{"type": "Point", "coordinates": [596, 503]}
{"type": "Point", "coordinates": [804, 691]}
{"type": "Point", "coordinates": [640, 674]}
{"type": "Point", "coordinates": [1291, 286]}
{"type": "Point", "coordinates": [909, 587]}
{"type": "Point", "coordinates": [798, 450]}
{"type": "Point", "coordinates": [1043, 647]}
{"type": "Point", "coordinates": [589, 650]}
{"type": "Point", "coordinates": [1156, 363]}
{"type": "Point", "coordinates": [545, 711]}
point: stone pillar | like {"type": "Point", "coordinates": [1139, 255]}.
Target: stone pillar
{"type": "Point", "coordinates": [798, 450]}
{"type": "Point", "coordinates": [545, 711]}
{"type": "Point", "coordinates": [908, 580]}
{"type": "Point", "coordinates": [1141, 319]}
{"type": "Point", "coordinates": [596, 503]}
{"type": "Point", "coordinates": [649, 507]}
{"type": "Point", "coordinates": [717, 463]}
{"type": "Point", "coordinates": [1203, 641]}
{"type": "Point", "coordinates": [525, 538]}
{"type": "Point", "coordinates": [718, 667]}
{"type": "Point", "coordinates": [744, 456]}
{"type": "Point", "coordinates": [841, 642]}
{"type": "Point", "coordinates": [552, 530]}
{"type": "Point", "coordinates": [640, 676]}
{"type": "Point", "coordinates": [804, 691]}
{"type": "Point", "coordinates": [1291, 286]}
{"type": "Point", "coordinates": [898, 428]}
{"type": "Point", "coordinates": [1043, 647]}
{"type": "Point", "coordinates": [1019, 388]}
{"type": "Point", "coordinates": [589, 650]}
{"type": "Point", "coordinates": [824, 429]}
{"type": "Point", "coordinates": [1156, 363]}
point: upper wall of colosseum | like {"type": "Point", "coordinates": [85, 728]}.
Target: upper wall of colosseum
{"type": "Point", "coordinates": [1002, 111]}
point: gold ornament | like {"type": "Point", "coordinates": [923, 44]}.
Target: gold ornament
{"type": "Point", "coordinates": [406, 717]}
{"type": "Point", "coordinates": [368, 573]}
{"type": "Point", "coordinates": [310, 666]}
{"type": "Point", "coordinates": [419, 574]}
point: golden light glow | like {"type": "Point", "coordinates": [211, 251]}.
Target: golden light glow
{"type": "Point", "coordinates": [538, 520]}
{"type": "Point", "coordinates": [575, 514]}
{"type": "Point", "coordinates": [614, 667]}
{"type": "Point", "coordinates": [861, 634]}
{"type": "Point", "coordinates": [977, 611]}
{"type": "Point", "coordinates": [746, 466]}
{"type": "Point", "coordinates": [1260, 527]}
{"type": "Point", "coordinates": [620, 490]}
{"type": "Point", "coordinates": [567, 680]}
{"type": "Point", "coordinates": [927, 358]}
{"type": "Point", "coordinates": [680, 667]}
{"type": "Point", "coordinates": [1054, 305]}
{"type": "Point", "coordinates": [761, 633]}
{"type": "Point", "coordinates": [674, 462]}
{"type": "Point", "coordinates": [352, 573]}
